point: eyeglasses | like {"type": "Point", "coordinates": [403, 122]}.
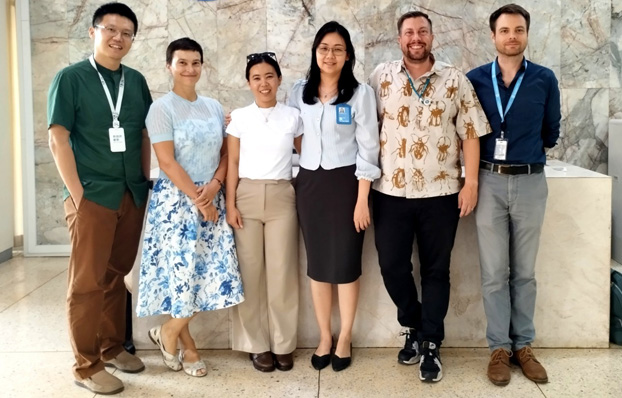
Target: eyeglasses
{"type": "Point", "coordinates": [337, 51]}
{"type": "Point", "coordinates": [253, 56]}
{"type": "Point", "coordinates": [112, 32]}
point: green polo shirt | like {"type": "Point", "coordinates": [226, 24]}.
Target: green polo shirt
{"type": "Point", "coordinates": [77, 101]}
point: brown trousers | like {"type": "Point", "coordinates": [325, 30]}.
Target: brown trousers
{"type": "Point", "coordinates": [104, 243]}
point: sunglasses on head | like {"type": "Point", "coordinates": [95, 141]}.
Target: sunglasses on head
{"type": "Point", "coordinates": [251, 57]}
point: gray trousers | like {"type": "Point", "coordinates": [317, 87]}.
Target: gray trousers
{"type": "Point", "coordinates": [509, 217]}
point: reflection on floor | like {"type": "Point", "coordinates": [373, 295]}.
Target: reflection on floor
{"type": "Point", "coordinates": [35, 360]}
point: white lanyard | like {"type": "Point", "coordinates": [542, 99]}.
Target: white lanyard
{"type": "Point", "coordinates": [115, 111]}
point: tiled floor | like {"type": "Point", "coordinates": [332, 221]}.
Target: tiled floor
{"type": "Point", "coordinates": [35, 360]}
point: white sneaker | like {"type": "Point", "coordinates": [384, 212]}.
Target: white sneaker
{"type": "Point", "coordinates": [102, 382]}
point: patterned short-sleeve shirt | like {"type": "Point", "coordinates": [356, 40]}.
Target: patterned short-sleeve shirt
{"type": "Point", "coordinates": [420, 142]}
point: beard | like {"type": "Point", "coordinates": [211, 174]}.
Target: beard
{"type": "Point", "coordinates": [511, 51]}
{"type": "Point", "coordinates": [416, 56]}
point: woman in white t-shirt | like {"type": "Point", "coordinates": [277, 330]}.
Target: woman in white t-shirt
{"type": "Point", "coordinates": [261, 207]}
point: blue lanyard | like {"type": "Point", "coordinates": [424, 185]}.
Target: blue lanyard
{"type": "Point", "coordinates": [495, 85]}
{"type": "Point", "coordinates": [423, 101]}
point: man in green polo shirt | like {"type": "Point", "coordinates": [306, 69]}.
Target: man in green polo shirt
{"type": "Point", "coordinates": [96, 117]}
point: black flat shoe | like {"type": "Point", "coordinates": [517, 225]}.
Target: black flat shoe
{"type": "Point", "coordinates": [340, 364]}
{"type": "Point", "coordinates": [320, 362]}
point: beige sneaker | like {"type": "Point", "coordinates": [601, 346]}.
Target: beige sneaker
{"type": "Point", "coordinates": [102, 382]}
{"type": "Point", "coordinates": [126, 362]}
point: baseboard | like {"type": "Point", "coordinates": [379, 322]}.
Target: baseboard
{"type": "Point", "coordinates": [6, 255]}
{"type": "Point", "coordinates": [18, 241]}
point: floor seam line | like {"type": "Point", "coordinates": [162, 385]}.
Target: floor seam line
{"type": "Point", "coordinates": [543, 394]}
{"type": "Point", "coordinates": [319, 376]}
{"type": "Point", "coordinates": [35, 352]}
{"type": "Point", "coordinates": [34, 290]}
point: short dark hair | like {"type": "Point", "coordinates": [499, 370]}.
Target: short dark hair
{"type": "Point", "coordinates": [412, 14]}
{"type": "Point", "coordinates": [261, 59]}
{"type": "Point", "coordinates": [118, 9]}
{"type": "Point", "coordinates": [508, 9]}
{"type": "Point", "coordinates": [347, 82]}
{"type": "Point", "coordinates": [184, 44]}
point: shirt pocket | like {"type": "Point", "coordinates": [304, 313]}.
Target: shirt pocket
{"type": "Point", "coordinates": [345, 139]}
{"type": "Point", "coordinates": [345, 132]}
{"type": "Point", "coordinates": [438, 113]}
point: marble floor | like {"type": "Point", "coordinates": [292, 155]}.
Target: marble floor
{"type": "Point", "coordinates": [35, 360]}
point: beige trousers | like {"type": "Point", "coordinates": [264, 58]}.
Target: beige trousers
{"type": "Point", "coordinates": [267, 250]}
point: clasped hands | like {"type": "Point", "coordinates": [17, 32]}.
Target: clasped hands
{"type": "Point", "coordinates": [204, 201]}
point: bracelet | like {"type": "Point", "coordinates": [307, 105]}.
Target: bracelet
{"type": "Point", "coordinates": [218, 181]}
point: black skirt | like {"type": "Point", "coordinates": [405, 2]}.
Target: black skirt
{"type": "Point", "coordinates": [325, 200]}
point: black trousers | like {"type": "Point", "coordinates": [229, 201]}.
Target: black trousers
{"type": "Point", "coordinates": [433, 222]}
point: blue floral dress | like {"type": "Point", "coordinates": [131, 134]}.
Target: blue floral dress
{"type": "Point", "coordinates": [188, 264]}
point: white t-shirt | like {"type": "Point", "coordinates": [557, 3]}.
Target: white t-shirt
{"type": "Point", "coordinates": [266, 140]}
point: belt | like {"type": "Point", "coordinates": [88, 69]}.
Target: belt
{"type": "Point", "coordinates": [512, 169]}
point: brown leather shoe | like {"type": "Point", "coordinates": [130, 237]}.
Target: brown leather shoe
{"type": "Point", "coordinates": [499, 367]}
{"type": "Point", "coordinates": [263, 362]}
{"type": "Point", "coordinates": [532, 369]}
{"type": "Point", "coordinates": [284, 362]}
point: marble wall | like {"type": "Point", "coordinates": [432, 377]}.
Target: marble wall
{"type": "Point", "coordinates": [581, 41]}
{"type": "Point", "coordinates": [572, 270]}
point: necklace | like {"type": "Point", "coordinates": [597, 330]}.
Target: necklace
{"type": "Point", "coordinates": [325, 95]}
{"type": "Point", "coordinates": [266, 112]}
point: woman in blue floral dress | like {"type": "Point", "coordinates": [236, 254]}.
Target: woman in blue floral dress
{"type": "Point", "coordinates": [189, 262]}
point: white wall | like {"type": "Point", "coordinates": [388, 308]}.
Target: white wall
{"type": "Point", "coordinates": [6, 138]}
{"type": "Point", "coordinates": [18, 197]}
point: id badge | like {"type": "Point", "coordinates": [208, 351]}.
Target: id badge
{"type": "Point", "coordinates": [344, 114]}
{"type": "Point", "coordinates": [501, 149]}
{"type": "Point", "coordinates": [117, 139]}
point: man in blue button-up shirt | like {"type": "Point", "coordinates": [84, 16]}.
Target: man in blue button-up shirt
{"type": "Point", "coordinates": [521, 101]}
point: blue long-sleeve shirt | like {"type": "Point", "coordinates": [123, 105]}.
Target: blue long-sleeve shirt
{"type": "Point", "coordinates": [531, 124]}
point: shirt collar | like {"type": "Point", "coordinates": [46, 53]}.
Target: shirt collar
{"type": "Point", "coordinates": [521, 69]}
{"type": "Point", "coordinates": [437, 66]}
{"type": "Point", "coordinates": [254, 105]}
{"type": "Point", "coordinates": [105, 71]}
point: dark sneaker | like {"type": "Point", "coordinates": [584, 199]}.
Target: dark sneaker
{"type": "Point", "coordinates": [430, 368]}
{"type": "Point", "coordinates": [409, 355]}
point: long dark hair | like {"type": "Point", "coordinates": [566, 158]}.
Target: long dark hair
{"type": "Point", "coordinates": [347, 82]}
